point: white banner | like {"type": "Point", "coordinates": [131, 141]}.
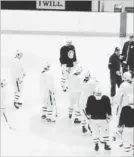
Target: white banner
{"type": "Point", "coordinates": [50, 4]}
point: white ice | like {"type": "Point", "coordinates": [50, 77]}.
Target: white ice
{"type": "Point", "coordinates": [30, 136]}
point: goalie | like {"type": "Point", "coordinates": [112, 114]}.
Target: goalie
{"type": "Point", "coordinates": [47, 94]}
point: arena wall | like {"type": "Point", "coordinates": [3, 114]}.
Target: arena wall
{"type": "Point", "coordinates": [66, 23]}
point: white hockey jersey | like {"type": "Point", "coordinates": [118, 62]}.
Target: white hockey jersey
{"type": "Point", "coordinates": [47, 82]}
{"type": "Point", "coordinates": [17, 70]}
{"type": "Point", "coordinates": [87, 89]}
{"type": "Point", "coordinates": [122, 96]}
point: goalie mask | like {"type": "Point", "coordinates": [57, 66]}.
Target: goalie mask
{"type": "Point", "coordinates": [98, 93]}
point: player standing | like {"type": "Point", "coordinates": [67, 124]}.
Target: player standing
{"type": "Point", "coordinates": [17, 78]}
{"type": "Point", "coordinates": [126, 125]}
{"type": "Point", "coordinates": [47, 94]}
{"type": "Point", "coordinates": [74, 93]}
{"type": "Point", "coordinates": [68, 60]}
{"type": "Point", "coordinates": [88, 85]}
{"type": "Point", "coordinates": [98, 109]}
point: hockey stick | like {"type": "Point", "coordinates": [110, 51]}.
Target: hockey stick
{"type": "Point", "coordinates": [51, 100]}
{"type": "Point", "coordinates": [87, 119]}
{"type": "Point", "coordinates": [18, 86]}
{"type": "Point", "coordinates": [6, 120]}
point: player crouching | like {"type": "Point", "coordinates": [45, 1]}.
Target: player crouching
{"type": "Point", "coordinates": [47, 94]}
{"type": "Point", "coordinates": [126, 125]}
{"type": "Point", "coordinates": [98, 109]}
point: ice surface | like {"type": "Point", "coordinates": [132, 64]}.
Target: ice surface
{"type": "Point", "coordinates": [30, 136]}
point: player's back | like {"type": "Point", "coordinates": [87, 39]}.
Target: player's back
{"type": "Point", "coordinates": [98, 108]}
{"type": "Point", "coordinates": [127, 116]}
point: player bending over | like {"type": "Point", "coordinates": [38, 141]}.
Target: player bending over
{"type": "Point", "coordinates": [68, 61]}
{"type": "Point", "coordinates": [47, 94]}
{"type": "Point", "coordinates": [17, 78]}
{"type": "Point", "coordinates": [98, 109]}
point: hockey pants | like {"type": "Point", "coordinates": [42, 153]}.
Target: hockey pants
{"type": "Point", "coordinates": [48, 102]}
{"type": "Point", "coordinates": [65, 76]}
{"type": "Point", "coordinates": [128, 139]}
{"type": "Point", "coordinates": [100, 130]}
{"type": "Point", "coordinates": [74, 104]}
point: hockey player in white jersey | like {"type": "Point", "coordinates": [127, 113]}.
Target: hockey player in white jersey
{"type": "Point", "coordinates": [126, 126]}
{"type": "Point", "coordinates": [88, 86]}
{"type": "Point", "coordinates": [47, 90]}
{"type": "Point", "coordinates": [75, 92]}
{"type": "Point", "coordinates": [98, 109]}
{"type": "Point", "coordinates": [18, 74]}
{"type": "Point", "coordinates": [3, 85]}
{"type": "Point", "coordinates": [126, 88]}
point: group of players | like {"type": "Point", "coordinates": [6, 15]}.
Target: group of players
{"type": "Point", "coordinates": [90, 107]}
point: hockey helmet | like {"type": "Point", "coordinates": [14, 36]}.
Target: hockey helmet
{"type": "Point", "coordinates": [127, 76]}
{"type": "Point", "coordinates": [46, 66]}
{"type": "Point", "coordinates": [98, 93]}
{"type": "Point", "coordinates": [3, 82]}
{"type": "Point", "coordinates": [69, 41]}
{"type": "Point", "coordinates": [18, 54]}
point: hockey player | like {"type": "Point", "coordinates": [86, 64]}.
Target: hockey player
{"type": "Point", "coordinates": [3, 92]}
{"type": "Point", "coordinates": [17, 78]}
{"type": "Point", "coordinates": [74, 93]}
{"type": "Point", "coordinates": [121, 98]}
{"type": "Point", "coordinates": [126, 125]}
{"type": "Point", "coordinates": [47, 94]}
{"type": "Point", "coordinates": [88, 85]}
{"type": "Point", "coordinates": [68, 61]}
{"type": "Point", "coordinates": [98, 109]}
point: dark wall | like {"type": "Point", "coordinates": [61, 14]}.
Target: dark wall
{"type": "Point", "coordinates": [31, 5]}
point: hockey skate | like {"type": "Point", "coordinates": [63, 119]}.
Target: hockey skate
{"type": "Point", "coordinates": [16, 105]}
{"type": "Point", "coordinates": [106, 146]}
{"type": "Point", "coordinates": [96, 148]}
{"type": "Point", "coordinates": [84, 130]}
{"type": "Point", "coordinates": [43, 117]}
{"type": "Point", "coordinates": [50, 121]}
{"type": "Point", "coordinates": [77, 121]}
{"type": "Point", "coordinates": [70, 116]}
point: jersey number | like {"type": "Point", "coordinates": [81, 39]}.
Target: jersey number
{"type": "Point", "coordinates": [71, 54]}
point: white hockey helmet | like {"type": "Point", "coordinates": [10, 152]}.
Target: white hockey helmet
{"type": "Point", "coordinates": [98, 93]}
{"type": "Point", "coordinates": [46, 66]}
{"type": "Point", "coordinates": [18, 53]}
{"type": "Point", "coordinates": [127, 76]}
{"type": "Point", "coordinates": [68, 41]}
{"type": "Point", "coordinates": [3, 82]}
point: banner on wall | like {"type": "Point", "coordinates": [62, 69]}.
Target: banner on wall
{"type": "Point", "coordinates": [50, 4]}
